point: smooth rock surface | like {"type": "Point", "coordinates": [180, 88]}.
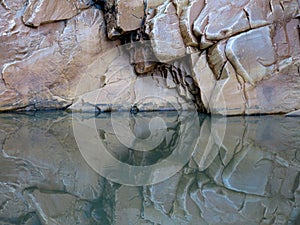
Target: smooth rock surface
{"type": "Point", "coordinates": [165, 36]}
{"type": "Point", "coordinates": [259, 61]}
{"type": "Point", "coordinates": [45, 11]}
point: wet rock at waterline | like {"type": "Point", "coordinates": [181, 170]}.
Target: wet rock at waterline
{"type": "Point", "coordinates": [243, 55]}
{"type": "Point", "coordinates": [242, 170]}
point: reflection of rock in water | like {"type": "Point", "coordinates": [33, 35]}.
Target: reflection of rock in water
{"type": "Point", "coordinates": [139, 126]}
{"type": "Point", "coordinates": [249, 177]}
{"type": "Point", "coordinates": [252, 179]}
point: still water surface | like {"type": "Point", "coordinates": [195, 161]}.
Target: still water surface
{"type": "Point", "coordinates": [148, 168]}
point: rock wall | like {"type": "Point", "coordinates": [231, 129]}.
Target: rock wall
{"type": "Point", "coordinates": [223, 57]}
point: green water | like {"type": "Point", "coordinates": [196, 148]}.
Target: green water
{"type": "Point", "coordinates": [148, 168]}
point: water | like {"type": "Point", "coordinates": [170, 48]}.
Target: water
{"type": "Point", "coordinates": [148, 168]}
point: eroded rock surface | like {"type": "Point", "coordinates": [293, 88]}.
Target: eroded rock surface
{"type": "Point", "coordinates": [43, 11]}
{"type": "Point", "coordinates": [244, 55]}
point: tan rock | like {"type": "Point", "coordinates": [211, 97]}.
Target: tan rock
{"type": "Point", "coordinates": [142, 57]}
{"type": "Point", "coordinates": [253, 64]}
{"type": "Point", "coordinates": [13, 5]}
{"type": "Point", "coordinates": [236, 22]}
{"type": "Point", "coordinates": [123, 16]}
{"type": "Point", "coordinates": [250, 63]}
{"type": "Point", "coordinates": [259, 13]}
{"type": "Point", "coordinates": [123, 89]}
{"type": "Point", "coordinates": [152, 4]}
{"type": "Point", "coordinates": [165, 35]}
{"type": "Point", "coordinates": [290, 9]}
{"type": "Point", "coordinates": [45, 11]}
{"type": "Point", "coordinates": [217, 58]}
{"type": "Point", "coordinates": [187, 18]}
{"type": "Point", "coordinates": [228, 96]}
{"type": "Point", "coordinates": [204, 78]}
{"type": "Point", "coordinates": [19, 41]}
{"type": "Point", "coordinates": [83, 4]}
{"type": "Point", "coordinates": [255, 85]}
{"type": "Point", "coordinates": [224, 96]}
{"type": "Point", "coordinates": [280, 93]}
{"type": "Point", "coordinates": [219, 20]}
{"type": "Point", "coordinates": [59, 61]}
{"type": "Point", "coordinates": [130, 14]}
{"type": "Point", "coordinates": [285, 40]}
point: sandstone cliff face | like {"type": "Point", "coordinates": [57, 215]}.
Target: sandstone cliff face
{"type": "Point", "coordinates": [226, 57]}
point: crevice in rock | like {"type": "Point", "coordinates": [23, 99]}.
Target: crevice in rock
{"type": "Point", "coordinates": [99, 4]}
{"type": "Point", "coordinates": [220, 76]}
{"type": "Point", "coordinates": [270, 7]}
{"type": "Point", "coordinates": [217, 59]}
{"type": "Point", "coordinates": [3, 80]}
{"type": "Point", "coordinates": [2, 2]}
{"type": "Point", "coordinates": [281, 5]}
{"type": "Point", "coordinates": [248, 17]}
{"type": "Point", "coordinates": [184, 82]}
{"type": "Point", "coordinates": [236, 34]}
{"type": "Point", "coordinates": [241, 81]}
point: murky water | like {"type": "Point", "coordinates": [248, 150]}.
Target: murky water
{"type": "Point", "coordinates": [148, 168]}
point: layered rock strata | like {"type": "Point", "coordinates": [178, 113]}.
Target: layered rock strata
{"type": "Point", "coordinates": [243, 56]}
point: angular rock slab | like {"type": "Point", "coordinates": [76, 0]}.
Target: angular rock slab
{"type": "Point", "coordinates": [123, 16]}
{"type": "Point", "coordinates": [46, 11]}
{"type": "Point", "coordinates": [165, 36]}
{"type": "Point", "coordinates": [188, 16]}
{"type": "Point", "coordinates": [252, 54]}
{"type": "Point", "coordinates": [221, 19]}
{"type": "Point", "coordinates": [130, 14]}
